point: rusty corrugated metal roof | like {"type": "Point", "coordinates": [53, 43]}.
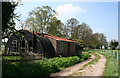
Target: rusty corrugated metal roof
{"type": "Point", "coordinates": [51, 36]}
{"type": "Point", "coordinates": [55, 37]}
{"type": "Point", "coordinates": [59, 38]}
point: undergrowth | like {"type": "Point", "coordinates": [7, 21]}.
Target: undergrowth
{"type": "Point", "coordinates": [41, 68]}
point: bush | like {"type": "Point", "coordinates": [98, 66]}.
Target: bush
{"type": "Point", "coordinates": [28, 70]}
{"type": "Point", "coordinates": [84, 56]}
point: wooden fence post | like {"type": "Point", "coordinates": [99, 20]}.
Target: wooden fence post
{"type": "Point", "coordinates": [115, 55]}
{"type": "Point", "coordinates": [118, 58]}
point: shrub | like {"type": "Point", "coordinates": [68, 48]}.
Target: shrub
{"type": "Point", "coordinates": [84, 56]}
{"type": "Point", "coordinates": [28, 70]}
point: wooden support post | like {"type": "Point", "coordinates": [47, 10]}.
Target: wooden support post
{"type": "Point", "coordinates": [117, 56]}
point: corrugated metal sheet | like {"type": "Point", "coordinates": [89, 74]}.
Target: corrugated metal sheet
{"type": "Point", "coordinates": [55, 37]}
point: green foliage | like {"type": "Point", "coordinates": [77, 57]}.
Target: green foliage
{"type": "Point", "coordinates": [99, 41]}
{"type": "Point", "coordinates": [11, 57]}
{"type": "Point", "coordinates": [113, 44]}
{"type": "Point", "coordinates": [43, 19]}
{"type": "Point", "coordinates": [28, 70]}
{"type": "Point", "coordinates": [111, 68]}
{"type": "Point", "coordinates": [72, 23]}
{"type": "Point", "coordinates": [8, 18]}
{"type": "Point", "coordinates": [7, 13]}
{"type": "Point", "coordinates": [39, 18]}
{"type": "Point", "coordinates": [80, 42]}
{"type": "Point", "coordinates": [55, 27]}
{"type": "Point", "coordinates": [3, 48]}
{"type": "Point", "coordinates": [66, 61]}
{"type": "Point", "coordinates": [41, 68]}
{"type": "Point", "coordinates": [86, 55]}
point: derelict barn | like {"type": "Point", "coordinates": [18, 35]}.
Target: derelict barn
{"type": "Point", "coordinates": [46, 44]}
{"type": "Point", "coordinates": [63, 46]}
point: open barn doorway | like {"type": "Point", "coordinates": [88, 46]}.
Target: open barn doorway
{"type": "Point", "coordinates": [30, 46]}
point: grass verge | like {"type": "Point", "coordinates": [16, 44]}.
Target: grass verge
{"type": "Point", "coordinates": [111, 68]}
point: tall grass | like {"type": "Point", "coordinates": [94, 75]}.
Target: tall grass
{"type": "Point", "coordinates": [111, 68]}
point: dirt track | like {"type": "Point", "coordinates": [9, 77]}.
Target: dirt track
{"type": "Point", "coordinates": [96, 69]}
{"type": "Point", "coordinates": [72, 69]}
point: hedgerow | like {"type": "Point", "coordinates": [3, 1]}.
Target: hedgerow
{"type": "Point", "coordinates": [42, 68]}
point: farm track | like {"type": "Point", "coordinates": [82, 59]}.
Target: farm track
{"type": "Point", "coordinates": [95, 69]}
{"type": "Point", "coordinates": [72, 69]}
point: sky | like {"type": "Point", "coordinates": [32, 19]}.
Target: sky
{"type": "Point", "coordinates": [102, 17]}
